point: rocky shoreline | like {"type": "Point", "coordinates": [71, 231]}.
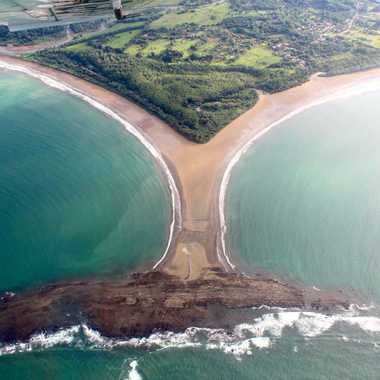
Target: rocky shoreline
{"type": "Point", "coordinates": [141, 303]}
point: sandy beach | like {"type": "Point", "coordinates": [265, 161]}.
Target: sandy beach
{"type": "Point", "coordinates": [201, 172]}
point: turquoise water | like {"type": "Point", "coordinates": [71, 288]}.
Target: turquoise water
{"type": "Point", "coordinates": [306, 192]}
{"type": "Point", "coordinates": [78, 195]}
{"type": "Point", "coordinates": [305, 200]}
{"type": "Point", "coordinates": [325, 359]}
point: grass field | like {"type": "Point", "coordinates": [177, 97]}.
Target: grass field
{"type": "Point", "coordinates": [183, 46]}
{"type": "Point", "coordinates": [155, 3]}
{"type": "Point", "coordinates": [78, 47]}
{"type": "Point", "coordinates": [155, 47]}
{"type": "Point", "coordinates": [206, 15]}
{"type": "Point", "coordinates": [114, 29]}
{"type": "Point", "coordinates": [207, 47]}
{"type": "Point", "coordinates": [258, 57]}
{"type": "Point", "coordinates": [122, 39]}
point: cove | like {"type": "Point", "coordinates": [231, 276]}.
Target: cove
{"type": "Point", "coordinates": [78, 195]}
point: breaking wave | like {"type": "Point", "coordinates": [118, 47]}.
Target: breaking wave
{"type": "Point", "coordinates": [261, 333]}
{"type": "Point", "coordinates": [133, 373]}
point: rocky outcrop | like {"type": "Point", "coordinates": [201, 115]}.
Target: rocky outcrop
{"type": "Point", "coordinates": [142, 303]}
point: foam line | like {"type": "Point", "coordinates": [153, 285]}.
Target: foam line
{"type": "Point", "coordinates": [133, 373]}
{"type": "Point", "coordinates": [175, 197]}
{"type": "Point", "coordinates": [348, 91]}
{"type": "Point", "coordinates": [259, 333]}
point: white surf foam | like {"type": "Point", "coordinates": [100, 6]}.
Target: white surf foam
{"type": "Point", "coordinates": [42, 341]}
{"type": "Point", "coordinates": [261, 333]}
{"type": "Point", "coordinates": [176, 200]}
{"type": "Point", "coordinates": [133, 373]}
{"type": "Point", "coordinates": [348, 91]}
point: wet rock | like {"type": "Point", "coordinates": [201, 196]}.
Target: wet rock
{"type": "Point", "coordinates": [145, 302]}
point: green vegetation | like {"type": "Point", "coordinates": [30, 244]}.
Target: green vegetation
{"type": "Point", "coordinates": [31, 36]}
{"type": "Point", "coordinates": [259, 57]}
{"type": "Point", "coordinates": [78, 47]}
{"type": "Point", "coordinates": [205, 15]}
{"type": "Point", "coordinates": [35, 36]}
{"type": "Point", "coordinates": [155, 47]}
{"type": "Point", "coordinates": [195, 100]}
{"type": "Point", "coordinates": [372, 39]}
{"type": "Point", "coordinates": [199, 65]}
{"type": "Point", "coordinates": [121, 40]}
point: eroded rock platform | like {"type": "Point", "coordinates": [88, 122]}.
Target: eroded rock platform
{"type": "Point", "coordinates": [141, 303]}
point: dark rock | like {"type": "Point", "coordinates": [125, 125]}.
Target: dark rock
{"type": "Point", "coordinates": [142, 303]}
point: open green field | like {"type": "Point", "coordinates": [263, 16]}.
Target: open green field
{"type": "Point", "coordinates": [205, 15]}
{"type": "Point", "coordinates": [121, 40]}
{"type": "Point", "coordinates": [117, 29]}
{"type": "Point", "coordinates": [158, 3]}
{"type": "Point", "coordinates": [81, 47]}
{"type": "Point", "coordinates": [154, 47]}
{"type": "Point", "coordinates": [259, 57]}
{"type": "Point", "coordinates": [157, 47]}
{"type": "Point", "coordinates": [183, 46]}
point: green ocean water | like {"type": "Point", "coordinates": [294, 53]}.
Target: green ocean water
{"type": "Point", "coordinates": [78, 195]}
{"type": "Point", "coordinates": [323, 359]}
{"type": "Point", "coordinates": [279, 188]}
{"type": "Point", "coordinates": [305, 199]}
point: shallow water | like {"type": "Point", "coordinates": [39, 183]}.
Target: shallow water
{"type": "Point", "coordinates": [305, 199]}
{"type": "Point", "coordinates": [314, 167]}
{"type": "Point", "coordinates": [78, 195]}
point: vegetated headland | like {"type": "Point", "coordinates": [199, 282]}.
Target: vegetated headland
{"type": "Point", "coordinates": [196, 282]}
{"type": "Point", "coordinates": [199, 65]}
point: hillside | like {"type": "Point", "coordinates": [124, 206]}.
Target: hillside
{"type": "Point", "coordinates": [199, 64]}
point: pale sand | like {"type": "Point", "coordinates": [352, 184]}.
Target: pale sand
{"type": "Point", "coordinates": [199, 169]}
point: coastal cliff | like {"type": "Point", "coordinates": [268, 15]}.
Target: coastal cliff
{"type": "Point", "coordinates": [141, 303]}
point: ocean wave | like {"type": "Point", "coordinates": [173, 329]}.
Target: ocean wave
{"type": "Point", "coordinates": [133, 373]}
{"type": "Point", "coordinates": [42, 341]}
{"type": "Point", "coordinates": [347, 91]}
{"type": "Point", "coordinates": [143, 139]}
{"type": "Point", "coordinates": [261, 333]}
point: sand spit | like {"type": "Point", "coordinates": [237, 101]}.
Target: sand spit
{"type": "Point", "coordinates": [199, 174]}
{"type": "Point", "coordinates": [195, 282]}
